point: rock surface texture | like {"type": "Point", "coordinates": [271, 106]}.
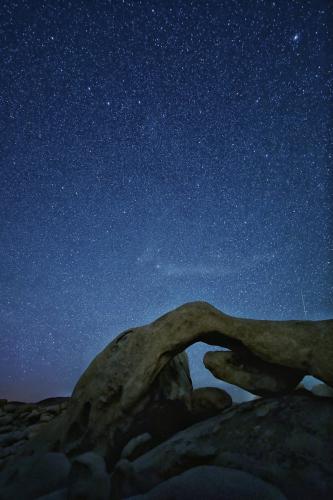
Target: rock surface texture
{"type": "Point", "coordinates": [253, 375]}
{"type": "Point", "coordinates": [286, 441]}
{"type": "Point", "coordinates": [210, 483]}
{"type": "Point", "coordinates": [20, 422]}
{"type": "Point", "coordinates": [134, 422]}
{"type": "Point", "coordinates": [209, 401]}
{"type": "Point", "coordinates": [113, 389]}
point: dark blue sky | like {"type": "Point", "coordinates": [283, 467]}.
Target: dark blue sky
{"type": "Point", "coordinates": [154, 153]}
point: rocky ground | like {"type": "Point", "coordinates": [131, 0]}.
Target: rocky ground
{"type": "Point", "coordinates": [135, 427]}
{"type": "Point", "coordinates": [19, 422]}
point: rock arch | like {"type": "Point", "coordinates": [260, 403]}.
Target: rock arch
{"type": "Point", "coordinates": [117, 383]}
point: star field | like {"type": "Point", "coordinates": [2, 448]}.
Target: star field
{"type": "Point", "coordinates": [154, 153]}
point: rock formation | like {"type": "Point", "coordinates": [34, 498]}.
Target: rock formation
{"type": "Point", "coordinates": [20, 422]}
{"type": "Point", "coordinates": [208, 401]}
{"type": "Point", "coordinates": [251, 373]}
{"type": "Point", "coordinates": [210, 483]}
{"type": "Point", "coordinates": [286, 441]}
{"type": "Point", "coordinates": [112, 389]}
{"type": "Point", "coordinates": [135, 405]}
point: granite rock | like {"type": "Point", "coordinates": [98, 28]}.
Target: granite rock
{"type": "Point", "coordinates": [250, 437]}
{"type": "Point", "coordinates": [251, 373]}
{"type": "Point", "coordinates": [33, 476]}
{"type": "Point", "coordinates": [210, 483]}
{"type": "Point", "coordinates": [208, 401]}
{"type": "Point", "coordinates": [119, 383]}
{"type": "Point", "coordinates": [88, 478]}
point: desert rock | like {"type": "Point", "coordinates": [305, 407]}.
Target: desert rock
{"type": "Point", "coordinates": [322, 390]}
{"type": "Point", "coordinates": [88, 478]}
{"type": "Point", "coordinates": [251, 373]}
{"type": "Point", "coordinates": [117, 383]}
{"type": "Point", "coordinates": [34, 476]}
{"type": "Point", "coordinates": [210, 483]}
{"type": "Point", "coordinates": [250, 437]}
{"type": "Point", "coordinates": [140, 383]}
{"type": "Point", "coordinates": [209, 401]}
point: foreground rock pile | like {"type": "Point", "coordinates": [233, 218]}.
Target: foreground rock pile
{"type": "Point", "coordinates": [20, 422]}
{"type": "Point", "coordinates": [135, 427]}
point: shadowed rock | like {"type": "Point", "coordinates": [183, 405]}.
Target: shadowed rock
{"type": "Point", "coordinates": [95, 405]}
{"type": "Point", "coordinates": [322, 390]}
{"type": "Point", "coordinates": [209, 482]}
{"type": "Point", "coordinates": [251, 373]}
{"type": "Point", "coordinates": [34, 476]}
{"type": "Point", "coordinates": [286, 441]}
{"type": "Point", "coordinates": [88, 478]}
{"type": "Point", "coordinates": [207, 402]}
{"type": "Point", "coordinates": [120, 380]}
{"type": "Point", "coordinates": [137, 446]}
{"type": "Point", "coordinates": [140, 383]}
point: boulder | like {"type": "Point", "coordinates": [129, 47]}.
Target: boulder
{"type": "Point", "coordinates": [34, 429]}
{"type": "Point", "coordinates": [5, 452]}
{"type": "Point", "coordinates": [7, 428]}
{"type": "Point", "coordinates": [251, 373]}
{"type": "Point", "coordinates": [6, 419]}
{"type": "Point", "coordinates": [32, 417]}
{"type": "Point", "coordinates": [286, 441]}
{"type": "Point", "coordinates": [53, 401]}
{"type": "Point", "coordinates": [209, 482]}
{"type": "Point", "coordinates": [12, 449]}
{"type": "Point", "coordinates": [46, 417]}
{"type": "Point", "coordinates": [12, 407]}
{"type": "Point", "coordinates": [122, 380]}
{"type": "Point", "coordinates": [161, 419]}
{"type": "Point", "coordinates": [12, 437]}
{"type": "Point", "coordinates": [88, 478]}
{"type": "Point", "coordinates": [137, 446]}
{"type": "Point", "coordinates": [33, 476]}
{"type": "Point", "coordinates": [207, 402]}
{"type": "Point", "coordinates": [21, 421]}
{"type": "Point", "coordinates": [322, 390]}
{"type": "Point", "coordinates": [55, 495]}
{"type": "Point", "coordinates": [96, 419]}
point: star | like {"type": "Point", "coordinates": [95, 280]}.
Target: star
{"type": "Point", "coordinates": [155, 155]}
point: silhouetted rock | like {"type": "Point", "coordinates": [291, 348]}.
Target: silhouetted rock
{"type": "Point", "coordinates": [286, 441]}
{"type": "Point", "coordinates": [96, 417]}
{"type": "Point", "coordinates": [121, 381]}
{"type": "Point", "coordinates": [209, 482]}
{"type": "Point", "coordinates": [88, 478]}
{"type": "Point", "coordinates": [322, 390]}
{"type": "Point", "coordinates": [55, 495]}
{"type": "Point", "coordinates": [251, 373]}
{"type": "Point", "coordinates": [20, 422]}
{"type": "Point", "coordinates": [34, 476]}
{"type": "Point", "coordinates": [140, 385]}
{"type": "Point", "coordinates": [137, 446]}
{"type": "Point", "coordinates": [208, 401]}
{"type": "Point", "coordinates": [52, 402]}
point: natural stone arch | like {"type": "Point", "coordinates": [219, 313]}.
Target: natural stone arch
{"type": "Point", "coordinates": [117, 383]}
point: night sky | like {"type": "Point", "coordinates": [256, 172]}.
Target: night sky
{"type": "Point", "coordinates": [154, 153]}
